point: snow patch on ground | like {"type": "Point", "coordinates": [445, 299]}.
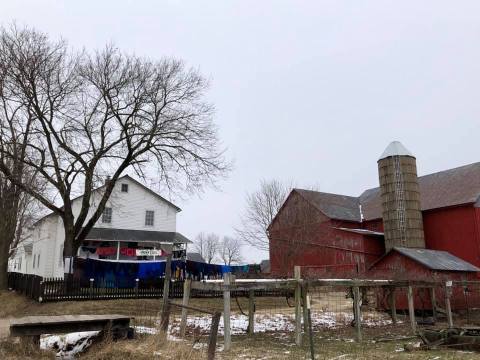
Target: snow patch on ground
{"type": "Point", "coordinates": [277, 322]}
{"type": "Point", "coordinates": [68, 345]}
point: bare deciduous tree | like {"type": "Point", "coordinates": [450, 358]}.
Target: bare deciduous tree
{"type": "Point", "coordinates": [261, 207]}
{"type": "Point", "coordinates": [83, 116]}
{"type": "Point", "coordinates": [207, 246]}
{"type": "Point", "coordinates": [230, 250]}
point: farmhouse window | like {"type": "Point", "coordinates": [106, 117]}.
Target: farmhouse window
{"type": "Point", "coordinates": [125, 188]}
{"type": "Point", "coordinates": [107, 215]}
{"type": "Point", "coordinates": [149, 217]}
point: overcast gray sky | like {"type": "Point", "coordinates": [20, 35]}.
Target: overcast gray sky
{"type": "Point", "coordinates": [308, 91]}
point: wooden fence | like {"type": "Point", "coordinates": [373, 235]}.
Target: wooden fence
{"type": "Point", "coordinates": [58, 289]}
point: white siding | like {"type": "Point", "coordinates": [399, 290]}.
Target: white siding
{"type": "Point", "coordinates": [128, 209]}
{"type": "Point", "coordinates": [128, 212]}
{"type": "Point", "coordinates": [44, 246]}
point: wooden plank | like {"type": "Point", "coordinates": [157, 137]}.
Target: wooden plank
{"type": "Point", "coordinates": [433, 300]}
{"type": "Point", "coordinates": [226, 314]}
{"type": "Point", "coordinates": [298, 307]}
{"type": "Point", "coordinates": [392, 297]}
{"type": "Point", "coordinates": [448, 307]}
{"type": "Point", "coordinates": [357, 313]}
{"type": "Point", "coordinates": [411, 309]}
{"type": "Point", "coordinates": [36, 325]}
{"type": "Point", "coordinates": [267, 284]}
{"type": "Point", "coordinates": [304, 307]}
{"type": "Point", "coordinates": [251, 312]}
{"type": "Point", "coordinates": [186, 298]}
{"type": "Point", "coordinates": [212, 340]}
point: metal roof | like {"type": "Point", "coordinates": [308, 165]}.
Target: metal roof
{"type": "Point", "coordinates": [195, 256]}
{"type": "Point", "coordinates": [395, 148]}
{"type": "Point", "coordinates": [451, 187]}
{"type": "Point", "coordinates": [107, 234]}
{"type": "Point", "coordinates": [436, 259]}
{"type": "Point", "coordinates": [333, 205]}
{"type": "Point", "coordinates": [362, 231]}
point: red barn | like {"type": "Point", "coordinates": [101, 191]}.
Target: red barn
{"type": "Point", "coordinates": [336, 235]}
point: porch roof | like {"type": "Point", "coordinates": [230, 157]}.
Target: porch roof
{"type": "Point", "coordinates": [106, 234]}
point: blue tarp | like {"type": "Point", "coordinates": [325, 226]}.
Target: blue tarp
{"type": "Point", "coordinates": [123, 274]}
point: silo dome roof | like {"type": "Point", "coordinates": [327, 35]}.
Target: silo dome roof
{"type": "Point", "coordinates": [395, 148]}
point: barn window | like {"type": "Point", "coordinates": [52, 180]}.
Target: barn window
{"type": "Point", "coordinates": [125, 188]}
{"type": "Point", "coordinates": [38, 260]}
{"type": "Point", "coordinates": [34, 259]}
{"type": "Point", "coordinates": [149, 217]}
{"type": "Point", "coordinates": [20, 263]}
{"type": "Point", "coordinates": [107, 215]}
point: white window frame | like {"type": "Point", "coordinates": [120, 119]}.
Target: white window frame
{"type": "Point", "coordinates": [148, 218]}
{"type": "Point", "coordinates": [107, 217]}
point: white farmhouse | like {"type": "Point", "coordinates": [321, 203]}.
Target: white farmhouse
{"type": "Point", "coordinates": [135, 218]}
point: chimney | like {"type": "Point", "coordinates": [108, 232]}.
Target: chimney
{"type": "Point", "coordinates": [400, 196]}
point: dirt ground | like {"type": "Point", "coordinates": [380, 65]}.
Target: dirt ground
{"type": "Point", "coordinates": [328, 344]}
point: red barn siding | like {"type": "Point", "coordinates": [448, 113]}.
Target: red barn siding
{"type": "Point", "coordinates": [317, 244]}
{"type": "Point", "coordinates": [399, 267]}
{"type": "Point", "coordinates": [455, 230]}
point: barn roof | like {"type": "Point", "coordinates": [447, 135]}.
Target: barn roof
{"type": "Point", "coordinates": [451, 187]}
{"type": "Point", "coordinates": [436, 259]}
{"type": "Point", "coordinates": [333, 205]}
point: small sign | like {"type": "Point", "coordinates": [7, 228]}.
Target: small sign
{"type": "Point", "coordinates": [149, 252]}
{"type": "Point", "coordinates": [449, 283]}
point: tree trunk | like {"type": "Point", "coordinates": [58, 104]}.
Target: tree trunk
{"type": "Point", "coordinates": [3, 265]}
{"type": "Point", "coordinates": [69, 250]}
{"type": "Point", "coordinates": [7, 235]}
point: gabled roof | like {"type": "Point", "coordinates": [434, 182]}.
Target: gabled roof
{"type": "Point", "coordinates": [195, 256]}
{"type": "Point", "coordinates": [108, 234]}
{"type": "Point", "coordinates": [451, 187]}
{"type": "Point", "coordinates": [434, 259]}
{"type": "Point", "coordinates": [158, 196]}
{"type": "Point", "coordinates": [148, 190]}
{"type": "Point", "coordinates": [333, 205]}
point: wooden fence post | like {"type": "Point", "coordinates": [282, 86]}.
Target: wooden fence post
{"type": "Point", "coordinates": [411, 309]}
{"type": "Point", "coordinates": [392, 299]}
{"type": "Point", "coordinates": [357, 313]}
{"type": "Point", "coordinates": [433, 300]}
{"type": "Point", "coordinates": [304, 307]}
{"type": "Point", "coordinates": [186, 297]}
{"type": "Point", "coordinates": [226, 313]}
{"type": "Point", "coordinates": [251, 312]}
{"type": "Point", "coordinates": [166, 292]}
{"type": "Point", "coordinates": [448, 307]}
{"type": "Point", "coordinates": [298, 306]}
{"type": "Point", "coordinates": [212, 341]}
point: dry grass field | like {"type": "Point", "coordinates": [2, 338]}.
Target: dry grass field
{"type": "Point", "coordinates": [329, 343]}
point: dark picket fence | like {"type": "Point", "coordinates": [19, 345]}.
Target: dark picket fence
{"type": "Point", "coordinates": [59, 289]}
